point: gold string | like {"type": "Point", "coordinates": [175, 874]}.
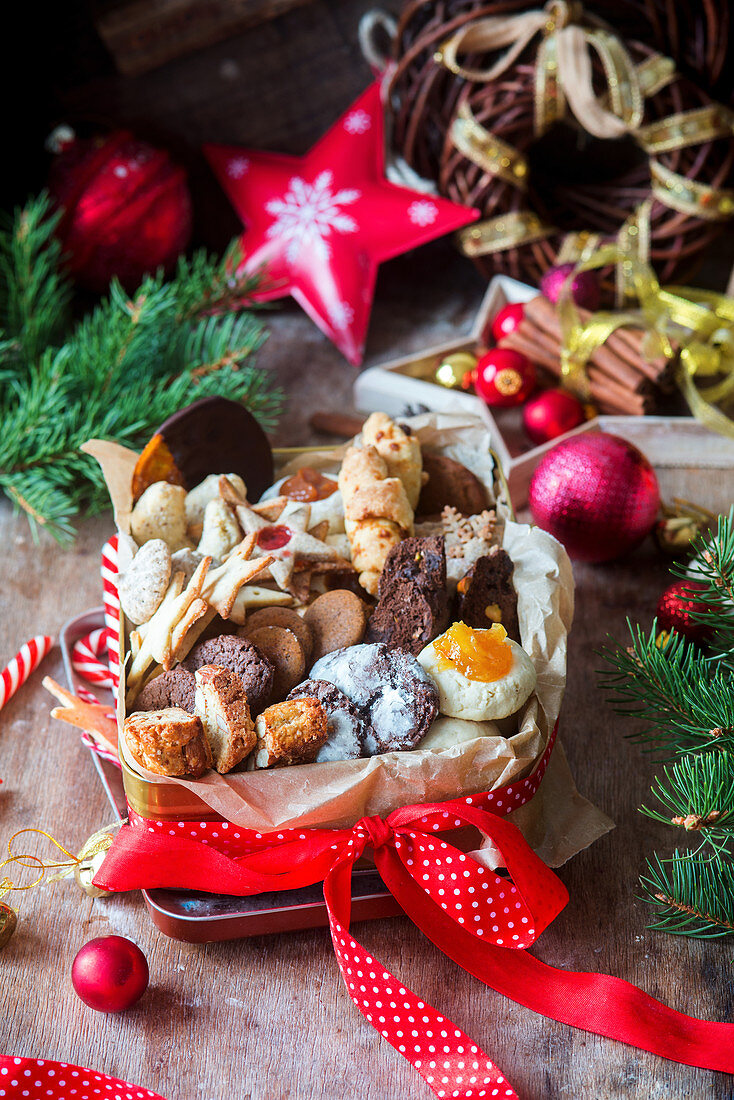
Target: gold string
{"type": "Point", "coordinates": [98, 842]}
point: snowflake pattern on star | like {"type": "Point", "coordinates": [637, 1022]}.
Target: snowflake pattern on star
{"type": "Point", "coordinates": [357, 122]}
{"type": "Point", "coordinates": [341, 315]}
{"type": "Point", "coordinates": [309, 213]}
{"type": "Point", "coordinates": [237, 167]}
{"type": "Point", "coordinates": [423, 212]}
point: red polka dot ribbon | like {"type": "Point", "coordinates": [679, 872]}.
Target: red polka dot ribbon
{"type": "Point", "coordinates": [39, 1079]}
{"type": "Point", "coordinates": [482, 920]}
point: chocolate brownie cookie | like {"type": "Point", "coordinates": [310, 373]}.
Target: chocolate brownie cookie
{"type": "Point", "coordinates": [347, 728]}
{"type": "Point", "coordinates": [389, 689]}
{"type": "Point", "coordinates": [408, 618]}
{"type": "Point", "coordinates": [487, 595]}
{"type": "Point", "coordinates": [413, 608]}
{"type": "Point", "coordinates": [176, 688]}
{"type": "Point", "coordinates": [239, 655]}
{"type": "Point", "coordinates": [415, 559]}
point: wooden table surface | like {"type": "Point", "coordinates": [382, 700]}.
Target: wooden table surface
{"type": "Point", "coordinates": [269, 1017]}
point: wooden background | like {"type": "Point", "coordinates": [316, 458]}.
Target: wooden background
{"type": "Point", "coordinates": [269, 1018]}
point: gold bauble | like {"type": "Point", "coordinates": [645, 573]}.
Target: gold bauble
{"type": "Point", "coordinates": [8, 924]}
{"type": "Point", "coordinates": [453, 369]}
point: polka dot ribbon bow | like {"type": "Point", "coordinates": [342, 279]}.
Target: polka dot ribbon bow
{"type": "Point", "coordinates": [481, 920]}
{"type": "Point", "coordinates": [39, 1079]}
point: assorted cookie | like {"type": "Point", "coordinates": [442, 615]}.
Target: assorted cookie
{"type": "Point", "coordinates": [480, 674]}
{"type": "Point", "coordinates": [486, 594]}
{"type": "Point", "coordinates": [413, 607]}
{"type": "Point", "coordinates": [319, 623]}
{"type": "Point", "coordinates": [388, 687]}
{"type": "Point", "coordinates": [347, 728]}
{"type": "Point", "coordinates": [240, 656]}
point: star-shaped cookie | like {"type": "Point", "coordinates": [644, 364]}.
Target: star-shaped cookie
{"type": "Point", "coordinates": [285, 538]}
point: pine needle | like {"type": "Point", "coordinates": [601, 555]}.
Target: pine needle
{"type": "Point", "coordinates": [685, 698]}
{"type": "Point", "coordinates": [692, 894]}
{"type": "Point", "coordinates": [697, 795]}
{"type": "Point", "coordinates": [713, 565]}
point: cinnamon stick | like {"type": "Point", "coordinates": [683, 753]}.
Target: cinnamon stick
{"type": "Point", "coordinates": [608, 395]}
{"type": "Point", "coordinates": [622, 352]}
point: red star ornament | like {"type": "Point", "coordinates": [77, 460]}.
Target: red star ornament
{"type": "Point", "coordinates": [320, 224]}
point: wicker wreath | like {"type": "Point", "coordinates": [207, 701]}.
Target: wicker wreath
{"type": "Point", "coordinates": [680, 186]}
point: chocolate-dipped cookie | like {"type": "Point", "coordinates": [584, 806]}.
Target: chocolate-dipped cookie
{"type": "Point", "coordinates": [211, 436]}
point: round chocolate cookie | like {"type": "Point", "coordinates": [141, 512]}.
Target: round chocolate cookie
{"type": "Point", "coordinates": [175, 688]}
{"type": "Point", "coordinates": [347, 728]}
{"type": "Point", "coordinates": [239, 655]}
{"type": "Point", "coordinates": [390, 690]}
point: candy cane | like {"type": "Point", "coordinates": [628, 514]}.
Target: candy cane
{"type": "Point", "coordinates": [85, 658]}
{"type": "Point", "coordinates": [111, 602]}
{"type": "Point", "coordinates": [28, 658]}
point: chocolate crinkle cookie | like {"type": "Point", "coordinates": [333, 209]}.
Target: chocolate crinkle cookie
{"type": "Point", "coordinates": [241, 656]}
{"type": "Point", "coordinates": [347, 729]}
{"type": "Point", "coordinates": [175, 688]}
{"type": "Point", "coordinates": [413, 607]}
{"type": "Point", "coordinates": [388, 687]}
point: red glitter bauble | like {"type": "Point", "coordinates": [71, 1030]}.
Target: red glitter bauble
{"type": "Point", "coordinates": [550, 414]}
{"type": "Point", "coordinates": [507, 320]}
{"type": "Point", "coordinates": [110, 973]}
{"type": "Point", "coordinates": [504, 377]}
{"type": "Point", "coordinates": [675, 607]}
{"type": "Point", "coordinates": [127, 209]}
{"type": "Point", "coordinates": [597, 494]}
{"type": "Point", "coordinates": [585, 289]}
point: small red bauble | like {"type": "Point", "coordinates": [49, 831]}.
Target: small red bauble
{"type": "Point", "coordinates": [507, 320]}
{"type": "Point", "coordinates": [504, 377]}
{"type": "Point", "coordinates": [110, 973]}
{"type": "Point", "coordinates": [127, 209]}
{"type": "Point", "coordinates": [585, 289]}
{"type": "Point", "coordinates": [597, 494]}
{"type": "Point", "coordinates": [550, 414]}
{"type": "Point", "coordinates": [675, 607]}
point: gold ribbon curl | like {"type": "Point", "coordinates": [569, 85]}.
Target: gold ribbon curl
{"type": "Point", "coordinates": [699, 322]}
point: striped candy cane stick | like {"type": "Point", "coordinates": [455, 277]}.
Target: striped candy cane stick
{"type": "Point", "coordinates": [111, 603]}
{"type": "Point", "coordinates": [22, 665]}
{"type": "Point", "coordinates": [86, 658]}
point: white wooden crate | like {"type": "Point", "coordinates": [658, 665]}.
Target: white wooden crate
{"type": "Point", "coordinates": [394, 386]}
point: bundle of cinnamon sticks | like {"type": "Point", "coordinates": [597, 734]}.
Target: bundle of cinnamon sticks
{"type": "Point", "coordinates": [621, 379]}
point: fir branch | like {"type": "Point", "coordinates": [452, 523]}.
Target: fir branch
{"type": "Point", "coordinates": [685, 699]}
{"type": "Point", "coordinates": [206, 285]}
{"type": "Point", "coordinates": [34, 291]}
{"type": "Point", "coordinates": [713, 565]}
{"type": "Point", "coordinates": [693, 895]}
{"type": "Point", "coordinates": [128, 365]}
{"type": "Point", "coordinates": [697, 794]}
